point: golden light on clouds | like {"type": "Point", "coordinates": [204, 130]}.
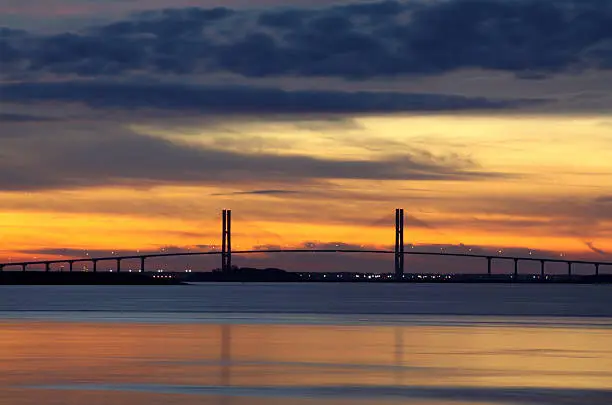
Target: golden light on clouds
{"type": "Point", "coordinates": [537, 182]}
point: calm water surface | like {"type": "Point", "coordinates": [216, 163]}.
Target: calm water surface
{"type": "Point", "coordinates": [309, 344]}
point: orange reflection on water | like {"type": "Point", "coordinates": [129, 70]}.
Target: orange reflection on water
{"type": "Point", "coordinates": [35, 353]}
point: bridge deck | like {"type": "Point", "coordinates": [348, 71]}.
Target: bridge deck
{"type": "Point", "coordinates": [311, 251]}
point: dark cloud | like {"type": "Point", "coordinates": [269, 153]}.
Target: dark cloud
{"type": "Point", "coordinates": [375, 10]}
{"type": "Point", "coordinates": [595, 249]}
{"type": "Point", "coordinates": [196, 16]}
{"type": "Point", "coordinates": [258, 192]}
{"type": "Point", "coordinates": [284, 19]}
{"type": "Point", "coordinates": [6, 32]}
{"type": "Point", "coordinates": [15, 118]}
{"type": "Point", "coordinates": [8, 53]}
{"type": "Point", "coordinates": [531, 38]}
{"type": "Point", "coordinates": [604, 199]}
{"type": "Point", "coordinates": [243, 100]}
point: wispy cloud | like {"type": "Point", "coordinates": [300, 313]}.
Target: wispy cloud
{"type": "Point", "coordinates": [17, 118]}
{"type": "Point", "coordinates": [604, 199]}
{"type": "Point", "coordinates": [595, 249]}
{"type": "Point", "coordinates": [109, 155]}
{"type": "Point", "coordinates": [258, 192]}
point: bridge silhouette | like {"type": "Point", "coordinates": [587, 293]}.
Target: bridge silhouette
{"type": "Point", "coordinates": [226, 252]}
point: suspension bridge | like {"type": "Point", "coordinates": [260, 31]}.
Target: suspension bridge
{"type": "Point", "coordinates": [399, 252]}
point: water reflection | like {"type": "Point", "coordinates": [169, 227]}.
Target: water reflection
{"type": "Point", "coordinates": [399, 355]}
{"type": "Point", "coordinates": [234, 364]}
{"type": "Point", "coordinates": [226, 361]}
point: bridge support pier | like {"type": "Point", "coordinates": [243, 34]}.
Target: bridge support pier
{"type": "Point", "coordinates": [142, 264]}
{"type": "Point", "coordinates": [597, 269]}
{"type": "Point", "coordinates": [516, 267]}
{"type": "Point", "coordinates": [70, 266]}
{"type": "Point", "coordinates": [118, 265]}
{"type": "Point", "coordinates": [1, 268]}
{"type": "Point", "coordinates": [569, 268]}
{"type": "Point", "coordinates": [399, 243]}
{"type": "Point", "coordinates": [542, 270]}
{"type": "Point", "coordinates": [489, 260]}
{"type": "Point", "coordinates": [47, 267]}
{"type": "Point", "coordinates": [23, 267]}
{"type": "Point", "coordinates": [95, 265]}
{"type": "Point", "coordinates": [226, 244]}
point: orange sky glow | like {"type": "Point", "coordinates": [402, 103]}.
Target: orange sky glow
{"type": "Point", "coordinates": [541, 193]}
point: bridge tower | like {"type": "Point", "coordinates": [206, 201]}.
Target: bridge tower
{"type": "Point", "coordinates": [226, 245]}
{"type": "Point", "coordinates": [399, 243]}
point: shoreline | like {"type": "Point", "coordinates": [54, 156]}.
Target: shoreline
{"type": "Point", "coordinates": [175, 278]}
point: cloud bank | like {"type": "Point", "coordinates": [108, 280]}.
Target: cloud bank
{"type": "Point", "coordinates": [529, 38]}
{"type": "Point", "coordinates": [240, 99]}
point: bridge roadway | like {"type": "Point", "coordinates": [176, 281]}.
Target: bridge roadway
{"type": "Point", "coordinates": [142, 258]}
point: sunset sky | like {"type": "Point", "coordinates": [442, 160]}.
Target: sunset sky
{"type": "Point", "coordinates": [129, 125]}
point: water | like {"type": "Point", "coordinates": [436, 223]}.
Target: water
{"type": "Point", "coordinates": [306, 344]}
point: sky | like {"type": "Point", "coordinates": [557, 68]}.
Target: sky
{"type": "Point", "coordinates": [129, 125]}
